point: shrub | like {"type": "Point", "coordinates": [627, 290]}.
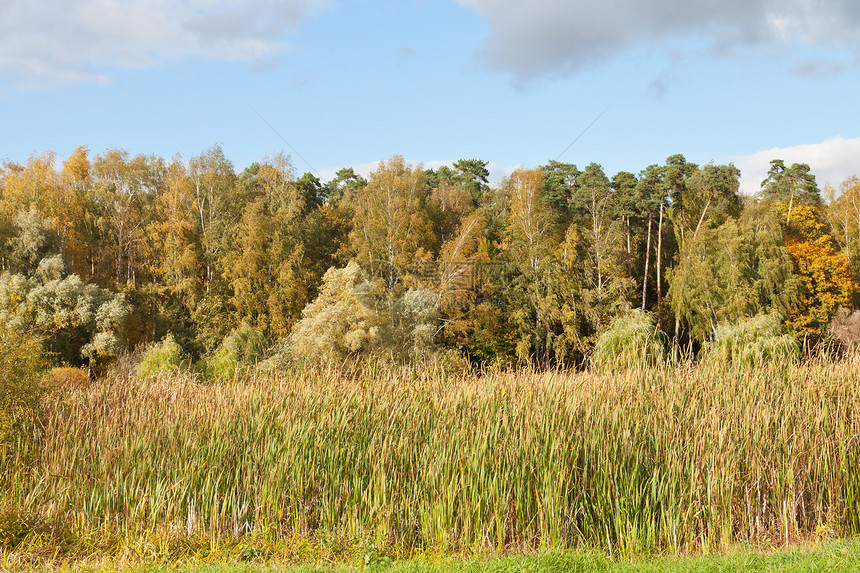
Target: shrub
{"type": "Point", "coordinates": [631, 341]}
{"type": "Point", "coordinates": [75, 319]}
{"type": "Point", "coordinates": [844, 329]}
{"type": "Point", "coordinates": [66, 378]}
{"type": "Point", "coordinates": [342, 321]}
{"type": "Point", "coordinates": [241, 348]}
{"type": "Point", "coordinates": [22, 366]}
{"type": "Point", "coordinates": [161, 358]}
{"type": "Point", "coordinates": [751, 341]}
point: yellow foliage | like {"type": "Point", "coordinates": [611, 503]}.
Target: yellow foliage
{"type": "Point", "coordinates": [22, 362]}
{"type": "Point", "coordinates": [66, 378]}
{"type": "Point", "coordinates": [826, 284]}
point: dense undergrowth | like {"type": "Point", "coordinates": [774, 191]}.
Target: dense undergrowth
{"type": "Point", "coordinates": [330, 462]}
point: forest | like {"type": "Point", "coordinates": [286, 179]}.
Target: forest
{"type": "Point", "coordinates": [107, 253]}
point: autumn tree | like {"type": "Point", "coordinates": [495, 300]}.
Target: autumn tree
{"type": "Point", "coordinates": [123, 187]}
{"type": "Point", "coordinates": [78, 216]}
{"type": "Point", "coordinates": [173, 234]}
{"type": "Point", "coordinates": [843, 212]}
{"type": "Point", "coordinates": [390, 226]}
{"type": "Point", "coordinates": [211, 175]}
{"type": "Point", "coordinates": [825, 280]}
{"type": "Point", "coordinates": [532, 295]}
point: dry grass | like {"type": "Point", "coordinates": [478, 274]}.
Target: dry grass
{"type": "Point", "coordinates": [414, 459]}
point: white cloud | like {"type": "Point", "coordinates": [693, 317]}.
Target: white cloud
{"type": "Point", "coordinates": [536, 38]}
{"type": "Point", "coordinates": [831, 161]}
{"type": "Point", "coordinates": [49, 42]}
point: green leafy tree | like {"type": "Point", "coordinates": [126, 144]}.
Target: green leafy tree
{"type": "Point", "coordinates": [789, 185]}
{"type": "Point", "coordinates": [77, 320]}
{"type": "Point", "coordinates": [164, 357]}
{"type": "Point", "coordinates": [240, 350]}
{"type": "Point", "coordinates": [559, 185]}
{"type": "Point", "coordinates": [345, 181]}
{"type": "Point", "coordinates": [596, 209]}
{"type": "Point", "coordinates": [698, 281]}
{"type": "Point", "coordinates": [624, 187]}
{"type": "Point", "coordinates": [738, 269]}
{"type": "Point", "coordinates": [472, 175]}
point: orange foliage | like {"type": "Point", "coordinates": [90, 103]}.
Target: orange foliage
{"type": "Point", "coordinates": [826, 282]}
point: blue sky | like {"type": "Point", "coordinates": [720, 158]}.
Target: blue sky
{"type": "Point", "coordinates": [347, 82]}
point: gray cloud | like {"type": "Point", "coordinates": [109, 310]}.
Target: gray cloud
{"type": "Point", "coordinates": [44, 43]}
{"type": "Point", "coordinates": [405, 54]}
{"type": "Point", "coordinates": [536, 38]}
{"type": "Point", "coordinates": [819, 69]}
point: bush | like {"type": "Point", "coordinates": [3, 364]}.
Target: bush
{"type": "Point", "coordinates": [631, 341]}
{"type": "Point", "coordinates": [342, 322]}
{"type": "Point", "coordinates": [66, 378]}
{"type": "Point", "coordinates": [844, 330]}
{"type": "Point", "coordinates": [751, 342]}
{"type": "Point", "coordinates": [163, 357]}
{"type": "Point", "coordinates": [22, 367]}
{"type": "Point", "coordinates": [241, 348]}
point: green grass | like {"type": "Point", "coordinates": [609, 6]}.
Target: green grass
{"type": "Point", "coordinates": [834, 556]}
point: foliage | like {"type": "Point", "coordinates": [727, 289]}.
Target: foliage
{"type": "Point", "coordinates": [22, 366]}
{"type": "Point", "coordinates": [825, 280]}
{"type": "Point", "coordinates": [66, 379]}
{"type": "Point", "coordinates": [413, 322]}
{"type": "Point", "coordinates": [242, 348]}
{"type": "Point", "coordinates": [737, 269]}
{"type": "Point", "coordinates": [163, 357]}
{"type": "Point", "coordinates": [390, 225]}
{"type": "Point", "coordinates": [530, 270]}
{"type": "Point", "coordinates": [342, 321]}
{"type": "Point", "coordinates": [752, 342]}
{"type": "Point", "coordinates": [77, 319]}
{"type": "Point", "coordinates": [844, 329]}
{"type": "Point", "coordinates": [631, 341]}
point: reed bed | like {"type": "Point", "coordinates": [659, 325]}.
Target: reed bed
{"type": "Point", "coordinates": [417, 459]}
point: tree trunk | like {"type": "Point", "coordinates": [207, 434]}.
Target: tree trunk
{"type": "Point", "coordinates": [647, 261]}
{"type": "Point", "coordinates": [659, 269]}
{"type": "Point", "coordinates": [675, 345]}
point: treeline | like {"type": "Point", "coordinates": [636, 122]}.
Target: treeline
{"type": "Point", "coordinates": [104, 253]}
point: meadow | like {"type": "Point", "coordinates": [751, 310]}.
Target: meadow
{"type": "Point", "coordinates": [383, 461]}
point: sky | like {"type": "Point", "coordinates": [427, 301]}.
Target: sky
{"type": "Point", "coordinates": [335, 83]}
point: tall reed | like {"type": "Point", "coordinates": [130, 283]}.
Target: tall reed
{"type": "Point", "coordinates": [656, 459]}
